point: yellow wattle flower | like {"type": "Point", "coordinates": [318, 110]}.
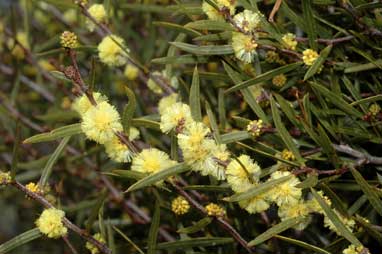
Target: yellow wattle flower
{"type": "Point", "coordinates": [110, 51]}
{"type": "Point", "coordinates": [50, 223]}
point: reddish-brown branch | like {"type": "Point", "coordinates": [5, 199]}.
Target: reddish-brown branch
{"type": "Point", "coordinates": [221, 221]}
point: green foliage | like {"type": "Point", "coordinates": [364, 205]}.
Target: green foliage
{"type": "Point", "coordinates": [296, 87]}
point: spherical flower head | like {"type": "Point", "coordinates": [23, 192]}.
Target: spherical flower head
{"type": "Point", "coordinates": [92, 248]}
{"type": "Point", "coordinates": [68, 40]}
{"type": "Point", "coordinates": [287, 155]}
{"type": "Point", "coordinates": [151, 161]}
{"type": "Point", "coordinates": [215, 210]}
{"type": "Point", "coordinates": [247, 20]}
{"type": "Point", "coordinates": [98, 12]}
{"type": "Point", "coordinates": [242, 173]}
{"type": "Point", "coordinates": [279, 80]}
{"type": "Point", "coordinates": [5, 177]}
{"type": "Point", "coordinates": [212, 163]}
{"type": "Point", "coordinates": [110, 51]}
{"type": "Point", "coordinates": [352, 249]}
{"type": "Point", "coordinates": [101, 122]}
{"type": "Point", "coordinates": [256, 204]}
{"type": "Point", "coordinates": [50, 223]}
{"type": "Point", "coordinates": [254, 127]}
{"type": "Point", "coordinates": [374, 109]}
{"type": "Point", "coordinates": [131, 72]}
{"type": "Point", "coordinates": [300, 209]}
{"type": "Point", "coordinates": [32, 187]}
{"type": "Point", "coordinates": [285, 193]}
{"type": "Point", "coordinates": [82, 104]}
{"type": "Point", "coordinates": [167, 102]}
{"type": "Point", "coordinates": [348, 222]}
{"type": "Point", "coordinates": [154, 87]}
{"type": "Point", "coordinates": [244, 47]}
{"type": "Point", "coordinates": [118, 151]}
{"type": "Point", "coordinates": [309, 56]}
{"type": "Point", "coordinates": [180, 206]}
{"type": "Point", "coordinates": [289, 40]}
{"type": "Point", "coordinates": [272, 57]}
{"type": "Point", "coordinates": [176, 117]}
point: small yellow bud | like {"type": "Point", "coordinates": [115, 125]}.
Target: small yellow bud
{"type": "Point", "coordinates": [92, 248]}
{"type": "Point", "coordinates": [254, 127]}
{"type": "Point", "coordinates": [215, 210]}
{"type": "Point", "coordinates": [272, 57]}
{"type": "Point", "coordinates": [5, 177]}
{"type": "Point", "coordinates": [289, 40]}
{"type": "Point", "coordinates": [309, 56]}
{"type": "Point", "coordinates": [131, 72]}
{"type": "Point", "coordinates": [69, 40]}
{"type": "Point", "coordinates": [374, 109]}
{"type": "Point", "coordinates": [279, 80]}
{"type": "Point", "coordinates": [180, 206]}
{"type": "Point", "coordinates": [32, 187]}
{"type": "Point", "coordinates": [287, 155]}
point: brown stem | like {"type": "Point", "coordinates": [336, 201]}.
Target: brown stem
{"type": "Point", "coordinates": [82, 233]}
{"type": "Point", "coordinates": [222, 222]}
{"type": "Point", "coordinates": [276, 7]}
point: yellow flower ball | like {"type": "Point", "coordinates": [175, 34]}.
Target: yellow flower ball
{"type": "Point", "coordinates": [254, 127]}
{"type": "Point", "coordinates": [151, 161]}
{"type": "Point", "coordinates": [5, 177]}
{"type": "Point", "coordinates": [215, 210]}
{"type": "Point", "coordinates": [180, 206]}
{"type": "Point", "coordinates": [352, 249]}
{"type": "Point", "coordinates": [131, 72]}
{"type": "Point", "coordinates": [82, 104]}
{"type": "Point", "coordinates": [100, 123]}
{"type": "Point", "coordinates": [309, 56]}
{"type": "Point", "coordinates": [244, 47]}
{"type": "Point", "coordinates": [32, 187]}
{"type": "Point", "coordinates": [285, 193]}
{"type": "Point", "coordinates": [279, 80]}
{"type": "Point", "coordinates": [289, 40]}
{"type": "Point", "coordinates": [167, 102]}
{"type": "Point", "coordinates": [118, 151]}
{"type": "Point", "coordinates": [92, 248]}
{"type": "Point", "coordinates": [68, 40]}
{"type": "Point", "coordinates": [50, 223]}
{"type": "Point", "coordinates": [242, 175]}
{"type": "Point", "coordinates": [247, 20]}
{"type": "Point", "coordinates": [110, 51]}
{"type": "Point", "coordinates": [175, 116]}
{"type": "Point", "coordinates": [98, 12]}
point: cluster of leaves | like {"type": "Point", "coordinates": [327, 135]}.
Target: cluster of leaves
{"type": "Point", "coordinates": [327, 115]}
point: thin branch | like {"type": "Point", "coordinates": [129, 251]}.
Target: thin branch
{"type": "Point", "coordinates": [81, 232]}
{"type": "Point", "coordinates": [276, 7]}
{"type": "Point", "coordinates": [357, 154]}
{"type": "Point", "coordinates": [221, 221]}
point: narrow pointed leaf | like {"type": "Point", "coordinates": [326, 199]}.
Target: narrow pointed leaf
{"type": "Point", "coordinates": [196, 111]}
{"type": "Point", "coordinates": [129, 110]}
{"type": "Point", "coordinates": [204, 50]}
{"type": "Point", "coordinates": [153, 233]}
{"type": "Point", "coordinates": [302, 244]}
{"type": "Point", "coordinates": [194, 242]}
{"type": "Point", "coordinates": [264, 77]}
{"type": "Point", "coordinates": [276, 229]}
{"type": "Point", "coordinates": [65, 131]}
{"type": "Point", "coordinates": [318, 63]}
{"type": "Point", "coordinates": [52, 160]}
{"type": "Point", "coordinates": [20, 240]}
{"type": "Point", "coordinates": [335, 220]}
{"type": "Point", "coordinates": [257, 190]}
{"type": "Point", "coordinates": [370, 193]}
{"type": "Point", "coordinates": [198, 226]}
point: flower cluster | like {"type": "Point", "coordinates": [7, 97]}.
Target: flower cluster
{"type": "Point", "coordinates": [5, 177]}
{"type": "Point", "coordinates": [69, 40]}
{"type": "Point", "coordinates": [215, 210]}
{"type": "Point", "coordinates": [50, 223]}
{"type": "Point", "coordinates": [91, 247]}
{"type": "Point", "coordinates": [98, 12]}
{"type": "Point", "coordinates": [112, 51]}
{"type": "Point", "coordinates": [180, 206]}
{"type": "Point", "coordinates": [101, 122]}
